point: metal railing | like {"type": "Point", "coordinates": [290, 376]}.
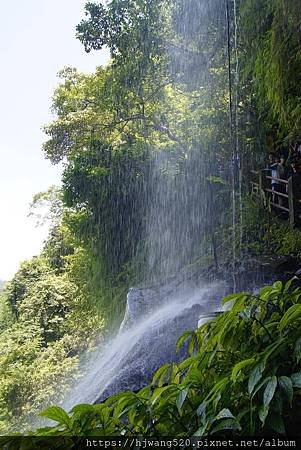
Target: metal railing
{"type": "Point", "coordinates": [280, 194]}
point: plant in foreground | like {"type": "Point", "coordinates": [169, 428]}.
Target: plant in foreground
{"type": "Point", "coordinates": [242, 377]}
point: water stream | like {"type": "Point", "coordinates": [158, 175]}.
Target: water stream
{"type": "Point", "coordinates": [129, 360]}
{"type": "Point", "coordinates": [180, 217]}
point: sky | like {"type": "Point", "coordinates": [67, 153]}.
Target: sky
{"type": "Point", "coordinates": [37, 39]}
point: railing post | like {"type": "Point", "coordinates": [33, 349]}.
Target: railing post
{"type": "Point", "coordinates": [260, 179]}
{"type": "Point", "coordinates": [291, 203]}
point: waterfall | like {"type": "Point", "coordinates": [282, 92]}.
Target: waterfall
{"type": "Point", "coordinates": [183, 206]}
{"type": "Point", "coordinates": [129, 360]}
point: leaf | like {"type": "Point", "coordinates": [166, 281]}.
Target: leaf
{"type": "Point", "coordinates": [293, 313]}
{"type": "Point", "coordinates": [183, 339]}
{"type": "Point", "coordinates": [175, 375]}
{"type": "Point", "coordinates": [275, 422]}
{"type": "Point", "coordinates": [158, 393]}
{"type": "Point", "coordinates": [126, 402]}
{"type": "Point", "coordinates": [201, 411]}
{"type": "Point", "coordinates": [278, 286]}
{"type": "Point", "coordinates": [228, 424]}
{"type": "Point", "coordinates": [181, 399]}
{"type": "Point", "coordinates": [287, 386]}
{"type": "Point", "coordinates": [187, 362]}
{"type": "Point", "coordinates": [296, 379]}
{"type": "Point", "coordinates": [265, 292]}
{"type": "Point", "coordinates": [289, 283]}
{"type": "Point", "coordinates": [269, 391]}
{"type": "Point", "coordinates": [201, 431]}
{"type": "Point", "coordinates": [219, 387]}
{"type": "Point", "coordinates": [82, 408]}
{"type": "Point", "coordinates": [57, 414]}
{"type": "Point", "coordinates": [224, 414]}
{"type": "Point", "coordinates": [212, 356]}
{"type": "Point", "coordinates": [259, 386]}
{"type": "Point", "coordinates": [192, 344]}
{"type": "Point", "coordinates": [237, 368]}
{"type": "Point", "coordinates": [235, 297]}
{"type": "Point", "coordinates": [216, 400]}
{"type": "Point", "coordinates": [263, 413]}
{"type": "Point", "coordinates": [160, 375]}
{"type": "Point", "coordinates": [256, 375]}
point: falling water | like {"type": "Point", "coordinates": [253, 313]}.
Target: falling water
{"type": "Point", "coordinates": [181, 210]}
{"type": "Point", "coordinates": [128, 360]}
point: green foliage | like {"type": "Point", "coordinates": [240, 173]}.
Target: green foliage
{"type": "Point", "coordinates": [6, 315]}
{"type": "Point", "coordinates": [243, 379]}
{"type": "Point", "coordinates": [270, 35]}
{"type": "Point", "coordinates": [110, 185]}
{"type": "Point", "coordinates": [139, 123]}
{"type": "Point", "coordinates": [47, 319]}
{"type": "Point", "coordinates": [264, 233]}
{"type": "Point", "coordinates": [163, 98]}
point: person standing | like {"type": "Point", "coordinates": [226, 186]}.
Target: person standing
{"type": "Point", "coordinates": [274, 175]}
{"type": "Point", "coordinates": [282, 174]}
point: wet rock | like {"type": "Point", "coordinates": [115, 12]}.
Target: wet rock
{"type": "Point", "coordinates": [156, 317]}
{"type": "Point", "coordinates": [155, 349]}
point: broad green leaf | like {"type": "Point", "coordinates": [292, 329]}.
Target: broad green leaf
{"type": "Point", "coordinates": [192, 344]}
{"type": "Point", "coordinates": [216, 400]}
{"type": "Point", "coordinates": [183, 339]}
{"type": "Point", "coordinates": [265, 292]}
{"type": "Point", "coordinates": [272, 348]}
{"type": "Point", "coordinates": [259, 386]}
{"type": "Point", "coordinates": [256, 375]}
{"type": "Point", "coordinates": [187, 363]}
{"type": "Point", "coordinates": [175, 375]}
{"type": "Point", "coordinates": [125, 403]}
{"type": "Point", "coordinates": [296, 380]}
{"type": "Point", "coordinates": [159, 391]}
{"type": "Point", "coordinates": [49, 431]}
{"type": "Point", "coordinates": [181, 399]}
{"type": "Point", "coordinates": [212, 356]}
{"type": "Point", "coordinates": [219, 387]}
{"type": "Point", "coordinates": [237, 368]}
{"type": "Point", "coordinates": [82, 408]}
{"type": "Point", "coordinates": [201, 431]}
{"type": "Point", "coordinates": [269, 391]}
{"type": "Point", "coordinates": [278, 286]}
{"type": "Point", "coordinates": [263, 413]}
{"type": "Point", "coordinates": [195, 376]}
{"type": "Point", "coordinates": [57, 414]}
{"type": "Point", "coordinates": [201, 411]}
{"type": "Point", "coordinates": [293, 313]}
{"type": "Point", "coordinates": [286, 384]}
{"type": "Point", "coordinates": [235, 297]}
{"type": "Point", "coordinates": [224, 414]}
{"type": "Point", "coordinates": [289, 283]}
{"type": "Point", "coordinates": [161, 374]}
{"type": "Point", "coordinates": [227, 424]}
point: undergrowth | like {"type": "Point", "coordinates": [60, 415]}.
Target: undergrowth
{"type": "Point", "coordinates": [242, 377]}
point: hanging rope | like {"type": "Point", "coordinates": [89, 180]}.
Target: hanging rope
{"type": "Point", "coordinates": [231, 120]}
{"type": "Point", "coordinates": [229, 65]}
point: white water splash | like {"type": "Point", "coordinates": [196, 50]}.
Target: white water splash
{"type": "Point", "coordinates": [105, 365]}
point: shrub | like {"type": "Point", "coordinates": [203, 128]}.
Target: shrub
{"type": "Point", "coordinates": [242, 377]}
